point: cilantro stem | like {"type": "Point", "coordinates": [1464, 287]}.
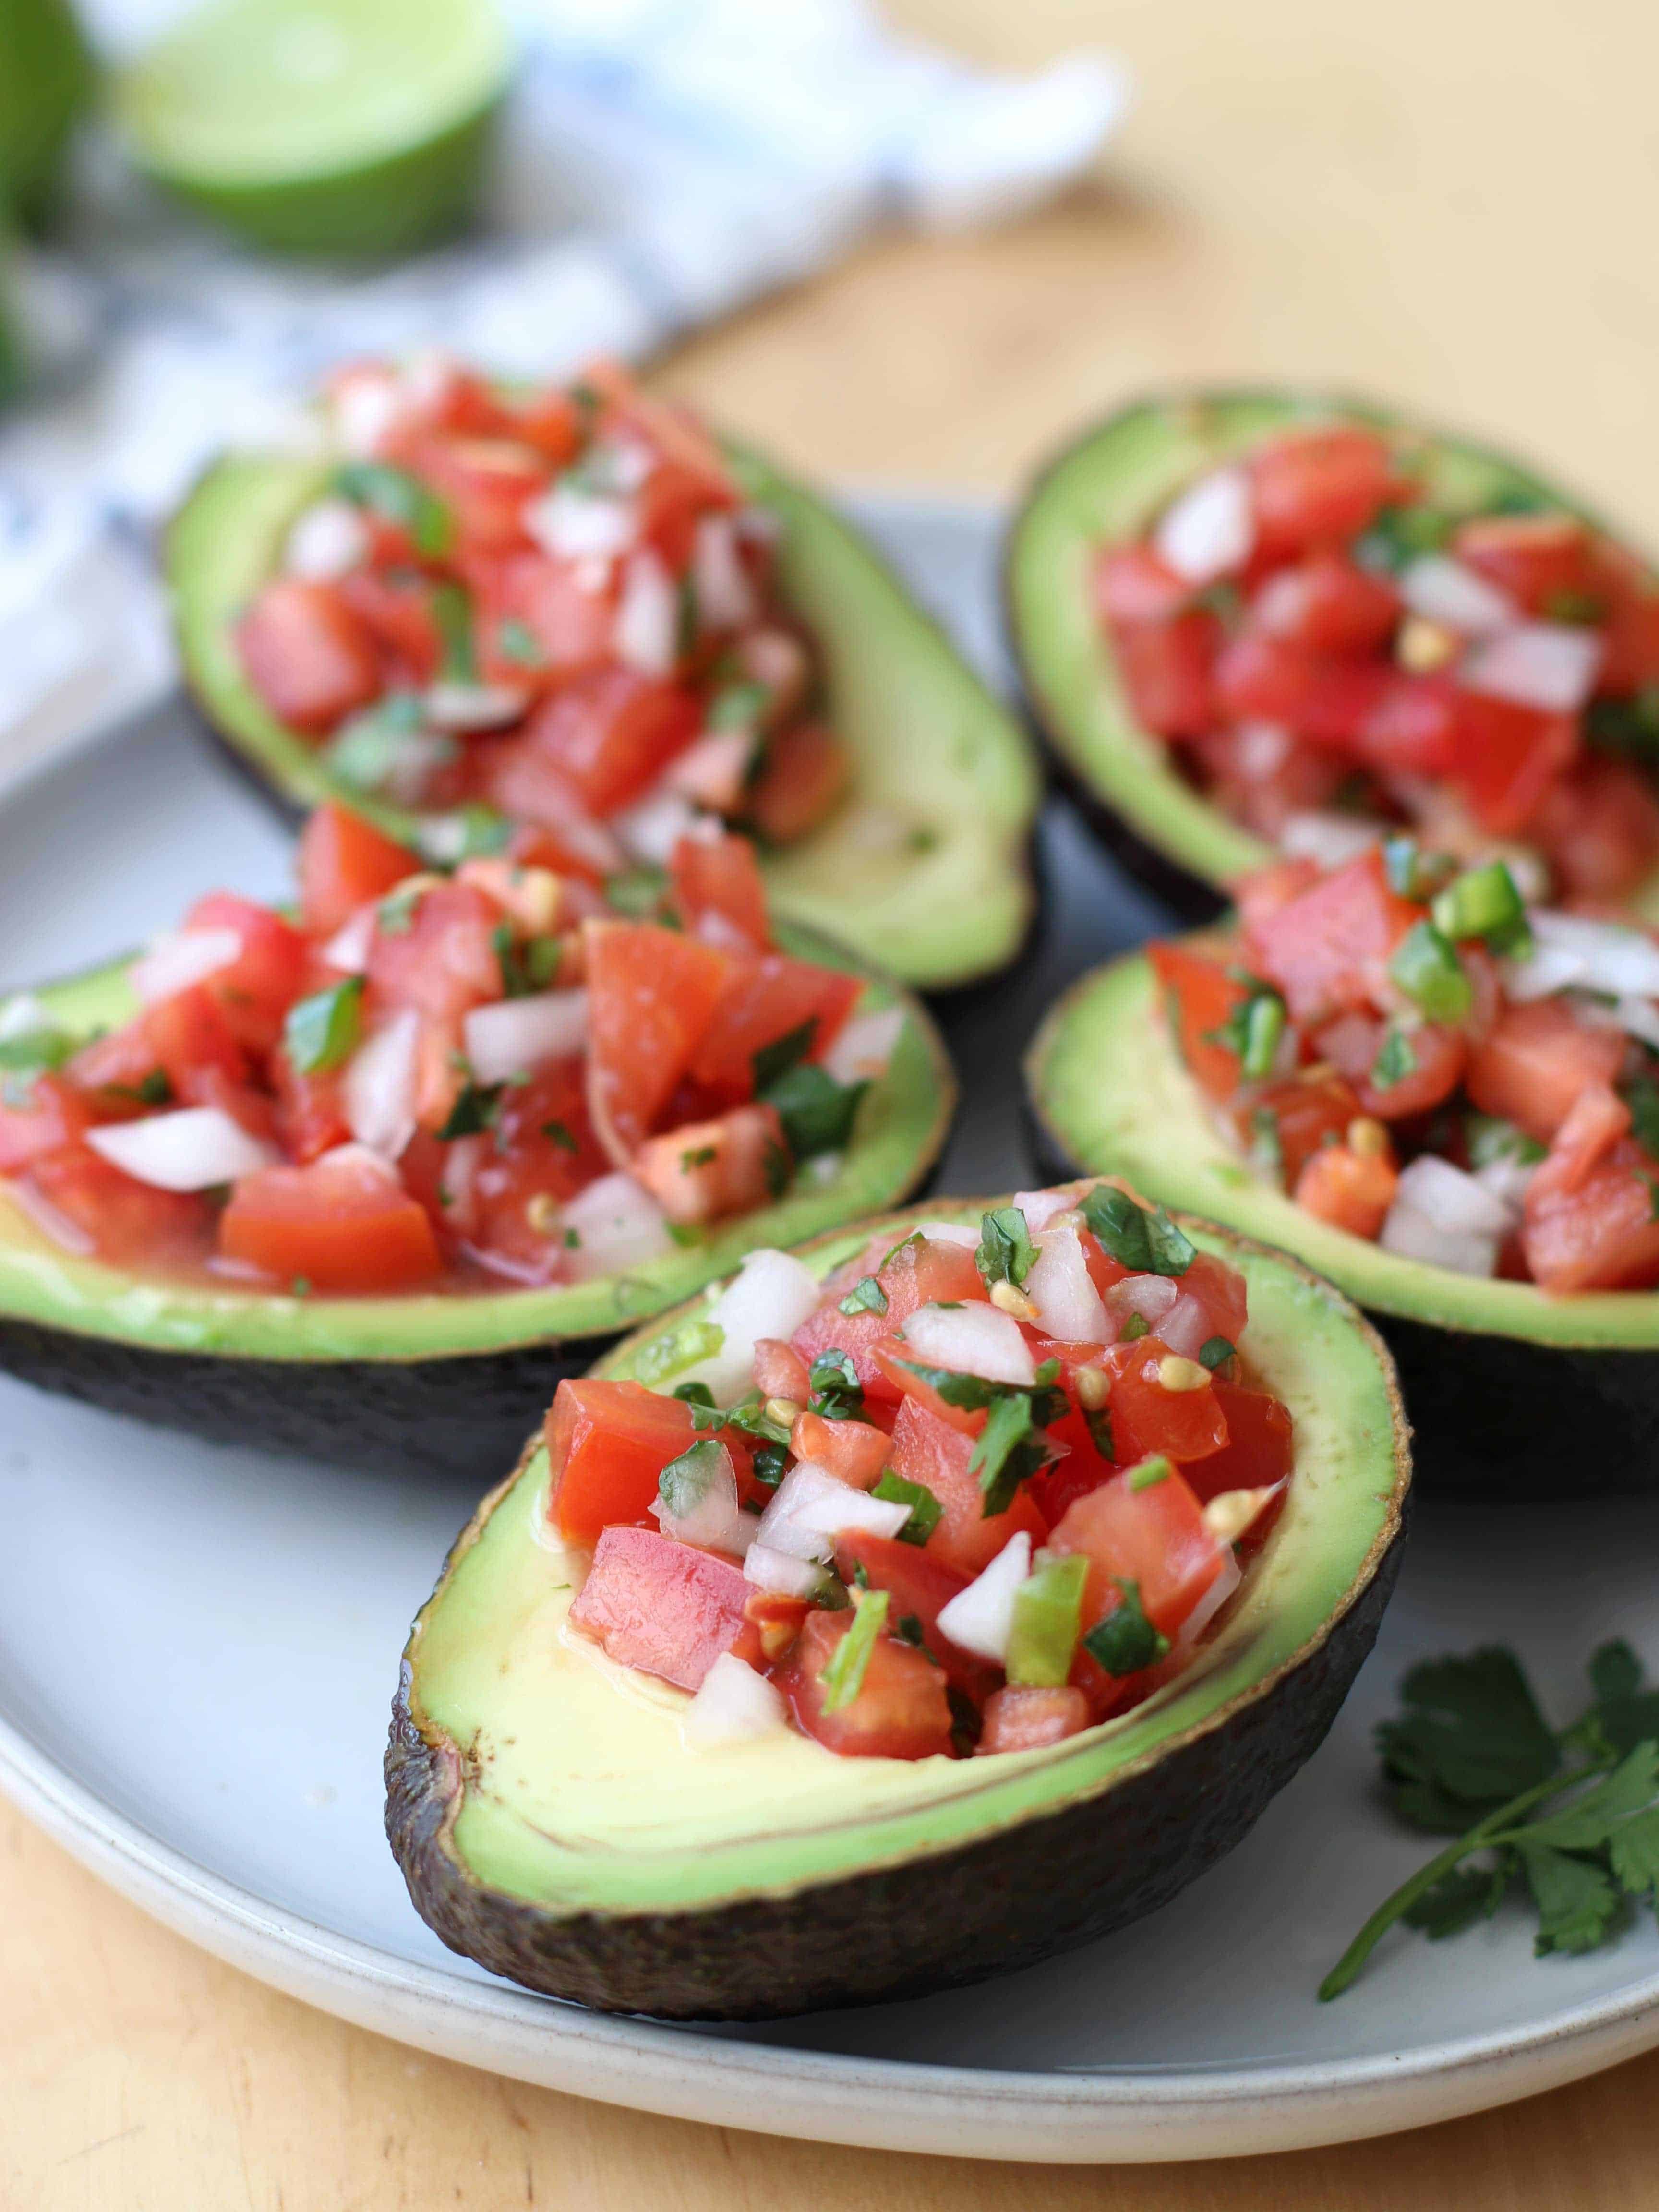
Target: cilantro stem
{"type": "Point", "coordinates": [1487, 1832]}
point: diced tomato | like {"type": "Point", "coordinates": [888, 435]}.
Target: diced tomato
{"type": "Point", "coordinates": [1222, 1292]}
{"type": "Point", "coordinates": [1319, 488]}
{"type": "Point", "coordinates": [344, 1223]}
{"type": "Point", "coordinates": [1305, 1112]}
{"type": "Point", "coordinates": [719, 892]}
{"type": "Point", "coordinates": [765, 1000]}
{"type": "Point", "coordinates": [1506, 757]}
{"type": "Point", "coordinates": [1327, 604]}
{"type": "Point", "coordinates": [1532, 1065]}
{"type": "Point", "coordinates": [1262, 678]}
{"type": "Point", "coordinates": [1412, 727]}
{"type": "Point", "coordinates": [1439, 1056]}
{"type": "Point", "coordinates": [1169, 670]}
{"type": "Point", "coordinates": [927, 1450]}
{"type": "Point", "coordinates": [441, 957]}
{"type": "Point", "coordinates": [1103, 1270]}
{"type": "Point", "coordinates": [612, 733]}
{"type": "Point", "coordinates": [1154, 1537]}
{"type": "Point", "coordinates": [553, 423]}
{"type": "Point", "coordinates": [651, 994]}
{"type": "Point", "coordinates": [1599, 825]}
{"type": "Point", "coordinates": [919, 1585]}
{"type": "Point", "coordinates": [120, 1061]}
{"type": "Point", "coordinates": [343, 862]}
{"type": "Point", "coordinates": [1259, 1450]}
{"type": "Point", "coordinates": [902, 1710]}
{"type": "Point", "coordinates": [131, 1223]}
{"type": "Point", "coordinates": [1147, 1418]}
{"type": "Point", "coordinates": [922, 1271]}
{"type": "Point", "coordinates": [188, 1035]}
{"type": "Point", "coordinates": [705, 1169]}
{"type": "Point", "coordinates": [1348, 1189]}
{"type": "Point", "coordinates": [670, 504]}
{"type": "Point", "coordinates": [310, 1117]}
{"type": "Point", "coordinates": [569, 611]}
{"type": "Point", "coordinates": [307, 653]}
{"type": "Point", "coordinates": [1632, 627]}
{"type": "Point", "coordinates": [1329, 949]}
{"type": "Point", "coordinates": [673, 429]}
{"type": "Point", "coordinates": [42, 1117]}
{"type": "Point", "coordinates": [397, 611]}
{"type": "Point", "coordinates": [1202, 997]}
{"type": "Point", "coordinates": [853, 1451]}
{"type": "Point", "coordinates": [664, 1606]}
{"type": "Point", "coordinates": [256, 991]}
{"type": "Point", "coordinates": [781, 1372]}
{"type": "Point", "coordinates": [485, 483]}
{"type": "Point", "coordinates": [1602, 1235]}
{"type": "Point", "coordinates": [1599, 1119]}
{"type": "Point", "coordinates": [1536, 560]}
{"type": "Point", "coordinates": [607, 1444]}
{"type": "Point", "coordinates": [804, 774]}
{"type": "Point", "coordinates": [1020, 1717]}
{"type": "Point", "coordinates": [541, 1152]}
{"type": "Point", "coordinates": [1265, 891]}
{"type": "Point", "coordinates": [1132, 584]}
{"type": "Point", "coordinates": [897, 1376]}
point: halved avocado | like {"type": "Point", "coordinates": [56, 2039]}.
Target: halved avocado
{"type": "Point", "coordinates": [552, 1824]}
{"type": "Point", "coordinates": [1511, 1391]}
{"type": "Point", "coordinates": [445, 1380]}
{"type": "Point", "coordinates": [1106, 489]}
{"type": "Point", "coordinates": [924, 868]}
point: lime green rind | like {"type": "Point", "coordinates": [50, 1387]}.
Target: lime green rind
{"type": "Point", "coordinates": [1109, 1084]}
{"type": "Point", "coordinates": [774, 1817]}
{"type": "Point", "coordinates": [924, 870]}
{"type": "Point", "coordinates": [1106, 489]}
{"type": "Point", "coordinates": [901, 1125]}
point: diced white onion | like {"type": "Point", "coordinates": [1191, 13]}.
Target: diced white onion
{"type": "Point", "coordinates": [1059, 1285]}
{"type": "Point", "coordinates": [716, 1523]}
{"type": "Point", "coordinates": [1412, 1236]}
{"type": "Point", "coordinates": [1330, 841]}
{"type": "Point", "coordinates": [646, 633]}
{"type": "Point", "coordinates": [349, 948]}
{"type": "Point", "coordinates": [472, 705]}
{"type": "Point", "coordinates": [192, 1149]}
{"type": "Point", "coordinates": [713, 769]}
{"type": "Point", "coordinates": [834, 1511]}
{"type": "Point", "coordinates": [864, 1046]}
{"type": "Point", "coordinates": [181, 959]}
{"type": "Point", "coordinates": [1594, 956]}
{"type": "Point", "coordinates": [950, 1233]}
{"type": "Point", "coordinates": [1211, 1604]}
{"type": "Point", "coordinates": [777, 1570]}
{"type": "Point", "coordinates": [1550, 666]}
{"type": "Point", "coordinates": [719, 582]}
{"type": "Point", "coordinates": [1444, 591]}
{"type": "Point", "coordinates": [1149, 1295]}
{"type": "Point", "coordinates": [22, 1015]}
{"type": "Point", "coordinates": [618, 1225]}
{"type": "Point", "coordinates": [327, 541]}
{"type": "Point", "coordinates": [1186, 1327]}
{"type": "Point", "coordinates": [575, 525]}
{"type": "Point", "coordinates": [1261, 749]}
{"type": "Point", "coordinates": [359, 1157]}
{"type": "Point", "coordinates": [514, 1034]}
{"type": "Point", "coordinates": [1039, 1207]}
{"type": "Point", "coordinates": [980, 1618]}
{"type": "Point", "coordinates": [377, 1087]}
{"type": "Point", "coordinates": [1444, 1217]}
{"type": "Point", "coordinates": [732, 1704]}
{"type": "Point", "coordinates": [363, 407]}
{"type": "Point", "coordinates": [653, 827]}
{"type": "Point", "coordinates": [771, 1295]}
{"type": "Point", "coordinates": [1507, 1180]}
{"type": "Point", "coordinates": [974, 1339]}
{"type": "Point", "coordinates": [1638, 1018]}
{"type": "Point", "coordinates": [1210, 529]}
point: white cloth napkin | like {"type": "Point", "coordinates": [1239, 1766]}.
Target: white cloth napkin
{"type": "Point", "coordinates": [662, 162]}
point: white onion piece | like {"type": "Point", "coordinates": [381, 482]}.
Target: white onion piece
{"type": "Point", "coordinates": [771, 1295]}
{"type": "Point", "coordinates": [712, 769]}
{"type": "Point", "coordinates": [1068, 1304]}
{"type": "Point", "coordinates": [1187, 1328]}
{"type": "Point", "coordinates": [1330, 841]}
{"type": "Point", "coordinates": [181, 959]}
{"type": "Point", "coordinates": [950, 1233]}
{"type": "Point", "coordinates": [1149, 1295]}
{"type": "Point", "coordinates": [192, 1149]}
{"type": "Point", "coordinates": [1444, 591]}
{"type": "Point", "coordinates": [782, 1526]}
{"type": "Point", "coordinates": [1412, 1236]}
{"type": "Point", "coordinates": [651, 829]}
{"type": "Point", "coordinates": [1210, 1604]}
{"type": "Point", "coordinates": [646, 633]}
{"type": "Point", "coordinates": [1551, 666]}
{"type": "Point", "coordinates": [1597, 956]}
{"type": "Point", "coordinates": [779, 1571]}
{"type": "Point", "coordinates": [472, 705]}
{"type": "Point", "coordinates": [363, 407]}
{"type": "Point", "coordinates": [327, 541]}
{"type": "Point", "coordinates": [1450, 1197]}
{"type": "Point", "coordinates": [1209, 529]}
{"type": "Point", "coordinates": [1638, 1018]}
{"type": "Point", "coordinates": [616, 1225]}
{"type": "Point", "coordinates": [378, 1086]}
{"type": "Point", "coordinates": [1507, 1180]}
{"type": "Point", "coordinates": [21, 1016]}
{"type": "Point", "coordinates": [833, 1512]}
{"type": "Point", "coordinates": [974, 1339]}
{"type": "Point", "coordinates": [1261, 749]}
{"type": "Point", "coordinates": [514, 1034]}
{"type": "Point", "coordinates": [864, 1046]}
{"type": "Point", "coordinates": [349, 948]}
{"type": "Point", "coordinates": [715, 1521]}
{"type": "Point", "coordinates": [980, 1618]}
{"type": "Point", "coordinates": [1039, 1207]}
{"type": "Point", "coordinates": [719, 582]}
{"type": "Point", "coordinates": [732, 1704]}
{"type": "Point", "coordinates": [575, 524]}
{"type": "Point", "coordinates": [360, 1156]}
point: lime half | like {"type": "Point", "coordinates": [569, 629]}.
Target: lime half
{"type": "Point", "coordinates": [323, 126]}
{"type": "Point", "coordinates": [45, 80]}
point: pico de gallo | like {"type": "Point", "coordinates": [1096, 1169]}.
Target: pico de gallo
{"type": "Point", "coordinates": [425, 1081]}
{"type": "Point", "coordinates": [1419, 1058]}
{"type": "Point", "coordinates": [977, 1491]}
{"type": "Point", "coordinates": [556, 605]}
{"type": "Point", "coordinates": [1327, 649]}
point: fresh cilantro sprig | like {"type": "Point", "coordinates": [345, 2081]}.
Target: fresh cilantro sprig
{"type": "Point", "coordinates": [1574, 1816]}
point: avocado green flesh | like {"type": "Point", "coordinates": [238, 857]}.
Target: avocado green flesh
{"type": "Point", "coordinates": [1110, 1086]}
{"type": "Point", "coordinates": [580, 1797]}
{"type": "Point", "coordinates": [901, 1125]}
{"type": "Point", "coordinates": [923, 868]}
{"type": "Point", "coordinates": [1107, 489]}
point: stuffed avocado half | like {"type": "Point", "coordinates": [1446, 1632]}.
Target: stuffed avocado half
{"type": "Point", "coordinates": [897, 805]}
{"type": "Point", "coordinates": [561, 1819]}
{"type": "Point", "coordinates": [1247, 621]}
{"type": "Point", "coordinates": [446, 1378]}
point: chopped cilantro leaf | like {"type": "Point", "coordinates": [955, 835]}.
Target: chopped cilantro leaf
{"type": "Point", "coordinates": [1146, 1243]}
{"type": "Point", "coordinates": [833, 1382]}
{"type": "Point", "coordinates": [321, 1031]}
{"type": "Point", "coordinates": [1006, 1252]}
{"type": "Point", "coordinates": [866, 1296]}
{"type": "Point", "coordinates": [474, 1111]}
{"type": "Point", "coordinates": [926, 1511]}
{"type": "Point", "coordinates": [557, 1134]}
{"type": "Point", "coordinates": [817, 1112]}
{"type": "Point", "coordinates": [776, 1059]}
{"type": "Point", "coordinates": [400, 499]}
{"type": "Point", "coordinates": [843, 1676]}
{"type": "Point", "coordinates": [637, 892]}
{"type": "Point", "coordinates": [516, 642]}
{"type": "Point", "coordinates": [1125, 1641]}
{"type": "Point", "coordinates": [1215, 1352]}
{"type": "Point", "coordinates": [1395, 1060]}
{"type": "Point", "coordinates": [395, 915]}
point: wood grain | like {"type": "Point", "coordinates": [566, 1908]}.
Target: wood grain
{"type": "Point", "coordinates": [1446, 203]}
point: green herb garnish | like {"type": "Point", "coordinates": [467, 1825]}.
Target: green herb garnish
{"type": "Point", "coordinates": [926, 1511]}
{"type": "Point", "coordinates": [1145, 1242]}
{"type": "Point", "coordinates": [1047, 1615]}
{"type": "Point", "coordinates": [817, 1112]}
{"type": "Point", "coordinates": [1491, 1139]}
{"type": "Point", "coordinates": [843, 1677]}
{"type": "Point", "coordinates": [686, 1481]}
{"type": "Point", "coordinates": [1125, 1642]}
{"type": "Point", "coordinates": [516, 642]}
{"type": "Point", "coordinates": [474, 1111]}
{"type": "Point", "coordinates": [321, 1031]}
{"type": "Point", "coordinates": [400, 499]}
{"type": "Point", "coordinates": [1215, 1352]}
{"type": "Point", "coordinates": [1151, 1473]}
{"type": "Point", "coordinates": [637, 892]}
{"type": "Point", "coordinates": [1484, 903]}
{"type": "Point", "coordinates": [776, 1059]}
{"type": "Point", "coordinates": [836, 1390]}
{"type": "Point", "coordinates": [1006, 1252]}
{"type": "Point", "coordinates": [1426, 968]}
{"type": "Point", "coordinates": [1394, 1061]}
{"type": "Point", "coordinates": [866, 1296]}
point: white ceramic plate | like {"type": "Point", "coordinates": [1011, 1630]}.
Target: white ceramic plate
{"type": "Point", "coordinates": [198, 1648]}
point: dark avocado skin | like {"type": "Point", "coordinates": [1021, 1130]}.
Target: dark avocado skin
{"type": "Point", "coordinates": [1005, 1901]}
{"type": "Point", "coordinates": [460, 1416]}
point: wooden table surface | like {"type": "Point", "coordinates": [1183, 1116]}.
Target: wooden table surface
{"type": "Point", "coordinates": [1451, 203]}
